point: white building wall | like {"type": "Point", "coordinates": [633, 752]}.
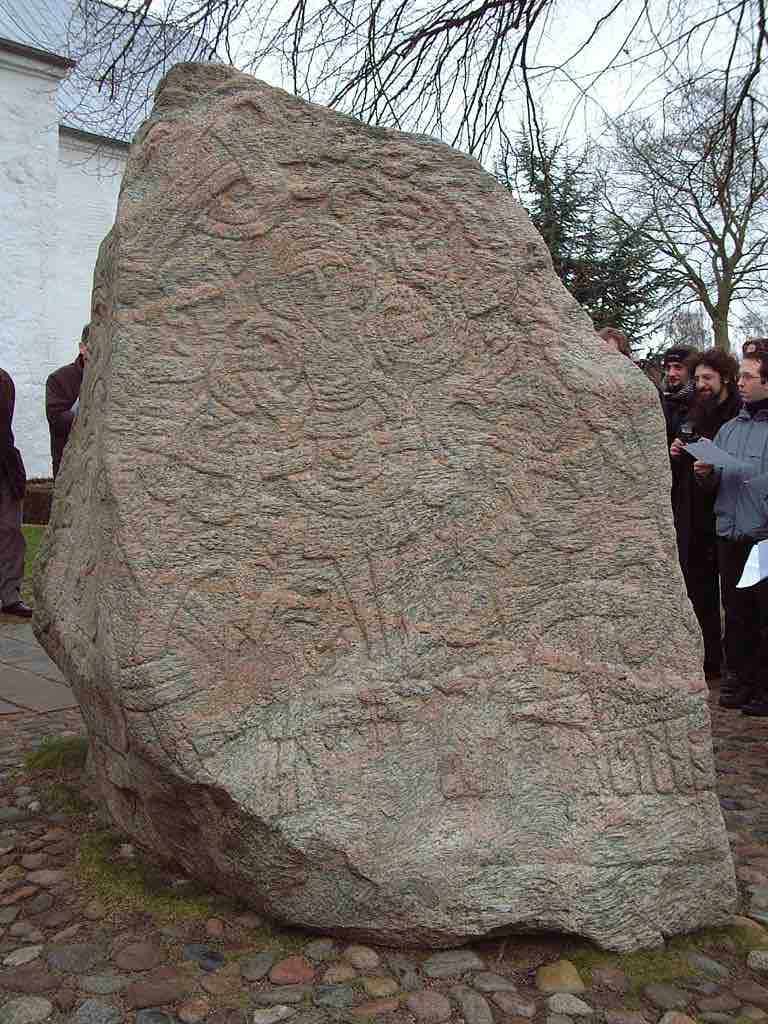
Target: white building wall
{"type": "Point", "coordinates": [29, 142]}
{"type": "Point", "coordinates": [58, 195]}
{"type": "Point", "coordinates": [90, 171]}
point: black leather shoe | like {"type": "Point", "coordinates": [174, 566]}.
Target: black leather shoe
{"type": "Point", "coordinates": [757, 708]}
{"type": "Point", "coordinates": [734, 695]}
{"type": "Point", "coordinates": [18, 608]}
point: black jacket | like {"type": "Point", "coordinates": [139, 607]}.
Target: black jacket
{"type": "Point", "coordinates": [675, 405]}
{"type": "Point", "coordinates": [12, 473]}
{"type": "Point", "coordinates": [62, 390]}
{"type": "Point", "coordinates": [693, 508]}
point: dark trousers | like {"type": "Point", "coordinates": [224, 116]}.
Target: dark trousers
{"type": "Point", "coordinates": [12, 545]}
{"type": "Point", "coordinates": [700, 572]}
{"type": "Point", "coordinates": [746, 619]}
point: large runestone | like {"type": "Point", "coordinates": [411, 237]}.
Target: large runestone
{"type": "Point", "coordinates": [361, 563]}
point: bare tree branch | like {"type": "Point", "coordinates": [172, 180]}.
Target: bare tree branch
{"type": "Point", "coordinates": [700, 194]}
{"type": "Point", "coordinates": [445, 66]}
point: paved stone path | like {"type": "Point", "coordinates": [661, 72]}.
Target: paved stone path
{"type": "Point", "coordinates": [65, 956]}
{"type": "Point", "coordinates": [29, 681]}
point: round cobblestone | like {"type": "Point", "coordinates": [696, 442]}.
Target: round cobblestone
{"type": "Point", "coordinates": [428, 1006]}
{"type": "Point", "coordinates": [25, 1010]}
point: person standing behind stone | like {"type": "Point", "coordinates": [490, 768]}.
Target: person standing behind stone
{"type": "Point", "coordinates": [62, 395]}
{"type": "Point", "coordinates": [752, 346]}
{"type": "Point", "coordinates": [12, 483]}
{"type": "Point", "coordinates": [741, 510]}
{"type": "Point", "coordinates": [677, 393]}
{"type": "Point", "coordinates": [616, 340]}
{"type": "Point", "coordinates": [716, 401]}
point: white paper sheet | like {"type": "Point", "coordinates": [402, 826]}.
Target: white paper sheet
{"type": "Point", "coordinates": [756, 567]}
{"type": "Point", "coordinates": [705, 451]}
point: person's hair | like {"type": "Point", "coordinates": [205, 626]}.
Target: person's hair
{"type": "Point", "coordinates": [759, 345]}
{"type": "Point", "coordinates": [622, 342]}
{"type": "Point", "coordinates": [677, 354]}
{"type": "Point", "coordinates": [84, 333]}
{"type": "Point", "coordinates": [761, 358]}
{"type": "Point", "coordinates": [716, 359]}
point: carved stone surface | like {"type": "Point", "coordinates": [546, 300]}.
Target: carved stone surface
{"type": "Point", "coordinates": [361, 562]}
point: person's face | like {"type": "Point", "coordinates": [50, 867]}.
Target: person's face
{"type": "Point", "coordinates": [752, 346]}
{"type": "Point", "coordinates": [709, 383]}
{"type": "Point", "coordinates": [612, 342]}
{"type": "Point", "coordinates": [751, 387]}
{"type": "Point", "coordinates": [677, 374]}
{"type": "Point", "coordinates": [84, 351]}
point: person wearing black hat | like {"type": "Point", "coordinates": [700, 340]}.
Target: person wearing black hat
{"type": "Point", "coordinates": [678, 391]}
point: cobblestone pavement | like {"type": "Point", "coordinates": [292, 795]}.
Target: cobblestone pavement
{"type": "Point", "coordinates": [67, 955]}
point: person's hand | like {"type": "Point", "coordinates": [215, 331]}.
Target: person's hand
{"type": "Point", "coordinates": [676, 448]}
{"type": "Point", "coordinates": [702, 468]}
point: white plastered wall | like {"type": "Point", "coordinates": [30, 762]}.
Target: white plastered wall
{"type": "Point", "coordinates": [58, 194]}
{"type": "Point", "coordinates": [90, 171]}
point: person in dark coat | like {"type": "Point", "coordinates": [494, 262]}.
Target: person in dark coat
{"type": "Point", "coordinates": [62, 395]}
{"type": "Point", "coordinates": [678, 392]}
{"type": "Point", "coordinates": [12, 484]}
{"type": "Point", "coordinates": [716, 401]}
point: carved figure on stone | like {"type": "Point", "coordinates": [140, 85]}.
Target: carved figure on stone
{"type": "Point", "coordinates": [329, 565]}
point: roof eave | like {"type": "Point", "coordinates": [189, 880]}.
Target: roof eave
{"type": "Point", "coordinates": [85, 136]}
{"type": "Point", "coordinates": [33, 53]}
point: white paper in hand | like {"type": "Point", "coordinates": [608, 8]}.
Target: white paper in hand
{"type": "Point", "coordinates": [756, 566]}
{"type": "Point", "coordinates": [705, 451]}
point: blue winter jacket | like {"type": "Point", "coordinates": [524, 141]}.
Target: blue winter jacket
{"type": "Point", "coordinates": [741, 506]}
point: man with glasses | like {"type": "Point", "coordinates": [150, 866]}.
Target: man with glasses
{"type": "Point", "coordinates": [741, 511]}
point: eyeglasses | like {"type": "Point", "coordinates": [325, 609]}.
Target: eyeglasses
{"type": "Point", "coordinates": [748, 376]}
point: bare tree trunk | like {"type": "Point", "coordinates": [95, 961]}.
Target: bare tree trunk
{"type": "Point", "coordinates": [720, 327]}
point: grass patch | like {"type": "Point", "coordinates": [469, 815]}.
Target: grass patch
{"type": "Point", "coordinates": [62, 756]}
{"type": "Point", "coordinates": [136, 883]}
{"type": "Point", "coordinates": [57, 768]}
{"type": "Point", "coordinates": [139, 884]}
{"type": "Point", "coordinates": [33, 536]}
{"type": "Point", "coordinates": [274, 939]}
{"type": "Point", "coordinates": [667, 964]}
{"type": "Point", "coordinates": [642, 968]}
{"type": "Point", "coordinates": [64, 798]}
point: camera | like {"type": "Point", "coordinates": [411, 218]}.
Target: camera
{"type": "Point", "coordinates": [687, 433]}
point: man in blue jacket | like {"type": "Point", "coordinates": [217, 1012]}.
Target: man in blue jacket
{"type": "Point", "coordinates": [741, 511]}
